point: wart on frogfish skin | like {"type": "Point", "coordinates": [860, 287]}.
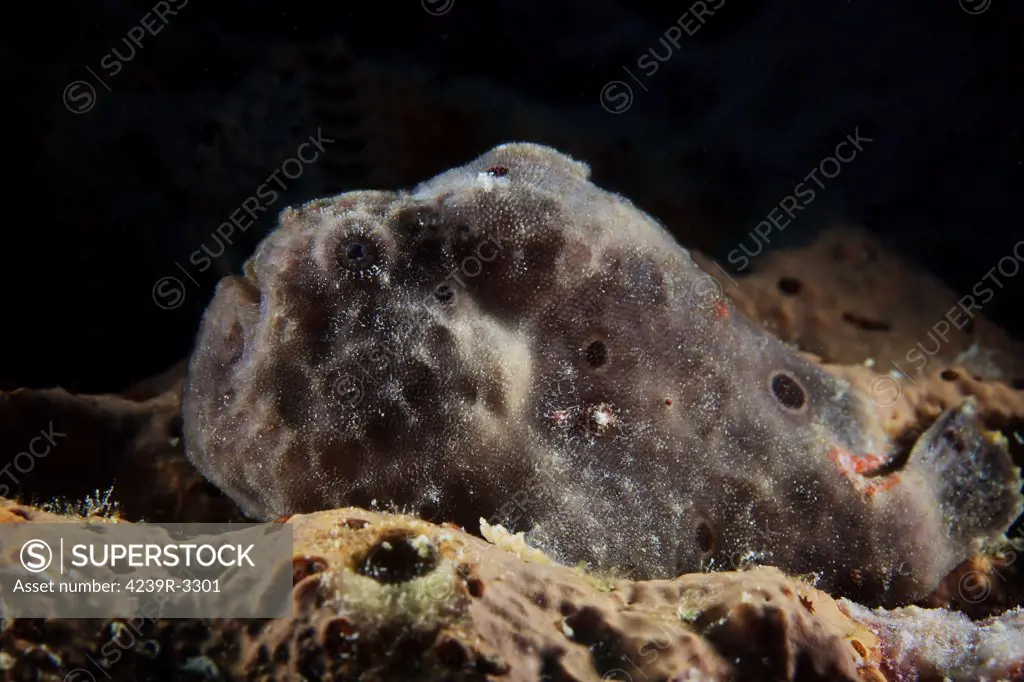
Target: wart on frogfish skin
{"type": "Point", "coordinates": [552, 370]}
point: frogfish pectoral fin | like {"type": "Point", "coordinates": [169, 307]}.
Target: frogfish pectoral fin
{"type": "Point", "coordinates": [971, 474]}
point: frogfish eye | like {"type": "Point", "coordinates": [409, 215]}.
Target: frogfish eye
{"type": "Point", "coordinates": [360, 255]}
{"type": "Point", "coordinates": [356, 251]}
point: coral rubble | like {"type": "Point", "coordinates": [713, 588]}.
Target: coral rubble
{"type": "Point", "coordinates": [388, 597]}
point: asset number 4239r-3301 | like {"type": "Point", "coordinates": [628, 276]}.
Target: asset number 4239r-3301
{"type": "Point", "coordinates": [172, 585]}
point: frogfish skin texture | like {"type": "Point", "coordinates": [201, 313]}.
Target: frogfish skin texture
{"type": "Point", "coordinates": [509, 341]}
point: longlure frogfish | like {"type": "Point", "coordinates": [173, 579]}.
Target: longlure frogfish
{"type": "Point", "coordinates": [509, 341]}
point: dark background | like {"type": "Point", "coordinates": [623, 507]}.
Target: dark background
{"type": "Point", "coordinates": [103, 203]}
